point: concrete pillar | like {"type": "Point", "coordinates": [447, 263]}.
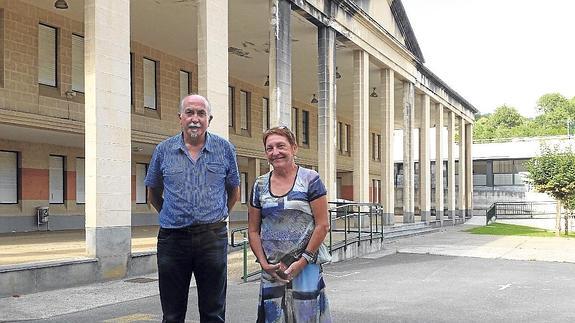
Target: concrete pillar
{"type": "Point", "coordinates": [469, 170]}
{"type": "Point", "coordinates": [424, 162]}
{"type": "Point", "coordinates": [408, 160]}
{"type": "Point", "coordinates": [387, 171]}
{"type": "Point", "coordinates": [451, 166]}
{"type": "Point", "coordinates": [327, 110]}
{"type": "Point", "coordinates": [254, 170]}
{"type": "Point", "coordinates": [280, 63]}
{"type": "Point", "coordinates": [439, 163]}
{"type": "Point", "coordinates": [212, 17]}
{"type": "Point", "coordinates": [360, 143]}
{"type": "Point", "coordinates": [461, 195]}
{"type": "Point", "coordinates": [108, 135]}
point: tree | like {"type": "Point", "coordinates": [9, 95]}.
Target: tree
{"type": "Point", "coordinates": [556, 111]}
{"type": "Point", "coordinates": [553, 172]}
{"type": "Point", "coordinates": [506, 117]}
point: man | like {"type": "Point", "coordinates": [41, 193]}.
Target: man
{"type": "Point", "coordinates": [197, 173]}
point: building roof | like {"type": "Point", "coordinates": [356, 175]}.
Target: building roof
{"type": "Point", "coordinates": [404, 26]}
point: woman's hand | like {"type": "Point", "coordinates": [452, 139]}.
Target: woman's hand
{"type": "Point", "coordinates": [295, 268]}
{"type": "Point", "coordinates": [276, 271]}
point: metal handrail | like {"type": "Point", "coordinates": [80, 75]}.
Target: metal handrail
{"type": "Point", "coordinates": [244, 243]}
{"type": "Point", "coordinates": [516, 209]}
{"type": "Point", "coordinates": [349, 211]}
{"type": "Point", "coordinates": [344, 210]}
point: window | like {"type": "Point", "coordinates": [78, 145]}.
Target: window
{"type": "Point", "coordinates": [80, 181]}
{"type": "Point", "coordinates": [373, 146]}
{"type": "Point", "coordinates": [77, 63]}
{"type": "Point", "coordinates": [378, 148]}
{"type": "Point", "coordinates": [339, 136]}
{"type": "Point", "coordinates": [503, 172]}
{"type": "Point", "coordinates": [479, 173]}
{"type": "Point", "coordinates": [338, 184]}
{"type": "Point", "coordinates": [375, 190]}
{"type": "Point", "coordinates": [346, 140]}
{"type": "Point", "coordinates": [244, 187]}
{"type": "Point", "coordinates": [47, 55]}
{"type": "Point", "coordinates": [294, 122]}
{"type": "Point", "coordinates": [56, 174]}
{"type": "Point", "coordinates": [141, 170]}
{"type": "Point", "coordinates": [150, 94]}
{"type": "Point", "coordinates": [266, 113]}
{"type": "Point", "coordinates": [244, 110]}
{"type": "Point", "coordinates": [8, 177]}
{"type": "Point", "coordinates": [231, 108]}
{"type": "Point", "coordinates": [185, 84]}
{"type": "Point", "coordinates": [305, 127]}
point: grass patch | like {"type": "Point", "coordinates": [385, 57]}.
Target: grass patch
{"type": "Point", "coordinates": [504, 229]}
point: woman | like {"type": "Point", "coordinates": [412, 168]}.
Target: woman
{"type": "Point", "coordinates": [287, 225]}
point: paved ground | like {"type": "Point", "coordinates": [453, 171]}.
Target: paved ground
{"type": "Point", "coordinates": [420, 283]}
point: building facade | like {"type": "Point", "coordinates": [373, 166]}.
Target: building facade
{"type": "Point", "coordinates": [87, 92]}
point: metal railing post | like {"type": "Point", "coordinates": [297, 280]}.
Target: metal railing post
{"type": "Point", "coordinates": [345, 227]}
{"type": "Point", "coordinates": [245, 247]}
{"type": "Point", "coordinates": [371, 223]}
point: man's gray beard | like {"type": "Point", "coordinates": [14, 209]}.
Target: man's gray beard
{"type": "Point", "coordinates": [192, 134]}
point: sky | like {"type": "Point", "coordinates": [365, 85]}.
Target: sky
{"type": "Point", "coordinates": [495, 52]}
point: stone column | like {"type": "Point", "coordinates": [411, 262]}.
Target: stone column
{"type": "Point", "coordinates": [327, 110]}
{"type": "Point", "coordinates": [360, 143]}
{"type": "Point", "coordinates": [387, 171]}
{"type": "Point", "coordinates": [439, 163]}
{"type": "Point", "coordinates": [212, 20]}
{"type": "Point", "coordinates": [408, 160]}
{"type": "Point", "coordinates": [461, 177]}
{"type": "Point", "coordinates": [108, 135]}
{"type": "Point", "coordinates": [254, 170]}
{"type": "Point", "coordinates": [424, 162]}
{"type": "Point", "coordinates": [451, 166]}
{"type": "Point", "coordinates": [280, 63]}
{"type": "Point", "coordinates": [469, 170]}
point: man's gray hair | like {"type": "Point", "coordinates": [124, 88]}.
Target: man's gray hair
{"type": "Point", "coordinates": [201, 97]}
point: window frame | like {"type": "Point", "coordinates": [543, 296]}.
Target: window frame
{"type": "Point", "coordinates": [56, 58]}
{"type": "Point", "coordinates": [245, 111]}
{"type": "Point", "coordinates": [83, 67]}
{"type": "Point", "coordinates": [295, 123]}
{"type": "Point", "coordinates": [64, 188]}
{"type": "Point", "coordinates": [154, 82]}
{"type": "Point", "coordinates": [266, 113]}
{"type": "Point", "coordinates": [304, 127]}
{"type": "Point", "coordinates": [18, 178]}
{"type": "Point", "coordinates": [189, 83]}
{"type": "Point", "coordinates": [231, 106]}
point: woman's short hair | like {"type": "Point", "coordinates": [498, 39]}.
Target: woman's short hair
{"type": "Point", "coordinates": [280, 131]}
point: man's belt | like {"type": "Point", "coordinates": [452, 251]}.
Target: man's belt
{"type": "Point", "coordinates": [195, 228]}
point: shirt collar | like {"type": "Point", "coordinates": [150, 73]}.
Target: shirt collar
{"type": "Point", "coordinates": [180, 144]}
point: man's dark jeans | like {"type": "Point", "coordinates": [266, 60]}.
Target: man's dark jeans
{"type": "Point", "coordinates": [203, 252]}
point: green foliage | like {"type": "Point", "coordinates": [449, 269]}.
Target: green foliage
{"type": "Point", "coordinates": [504, 229]}
{"type": "Point", "coordinates": [506, 117]}
{"type": "Point", "coordinates": [554, 173]}
{"type": "Point", "coordinates": [506, 122]}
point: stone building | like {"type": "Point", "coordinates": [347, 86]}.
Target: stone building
{"type": "Point", "coordinates": [86, 93]}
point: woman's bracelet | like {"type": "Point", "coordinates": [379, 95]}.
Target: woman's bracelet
{"type": "Point", "coordinates": [309, 256]}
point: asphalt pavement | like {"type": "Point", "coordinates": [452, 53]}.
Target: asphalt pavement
{"type": "Point", "coordinates": [447, 276]}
